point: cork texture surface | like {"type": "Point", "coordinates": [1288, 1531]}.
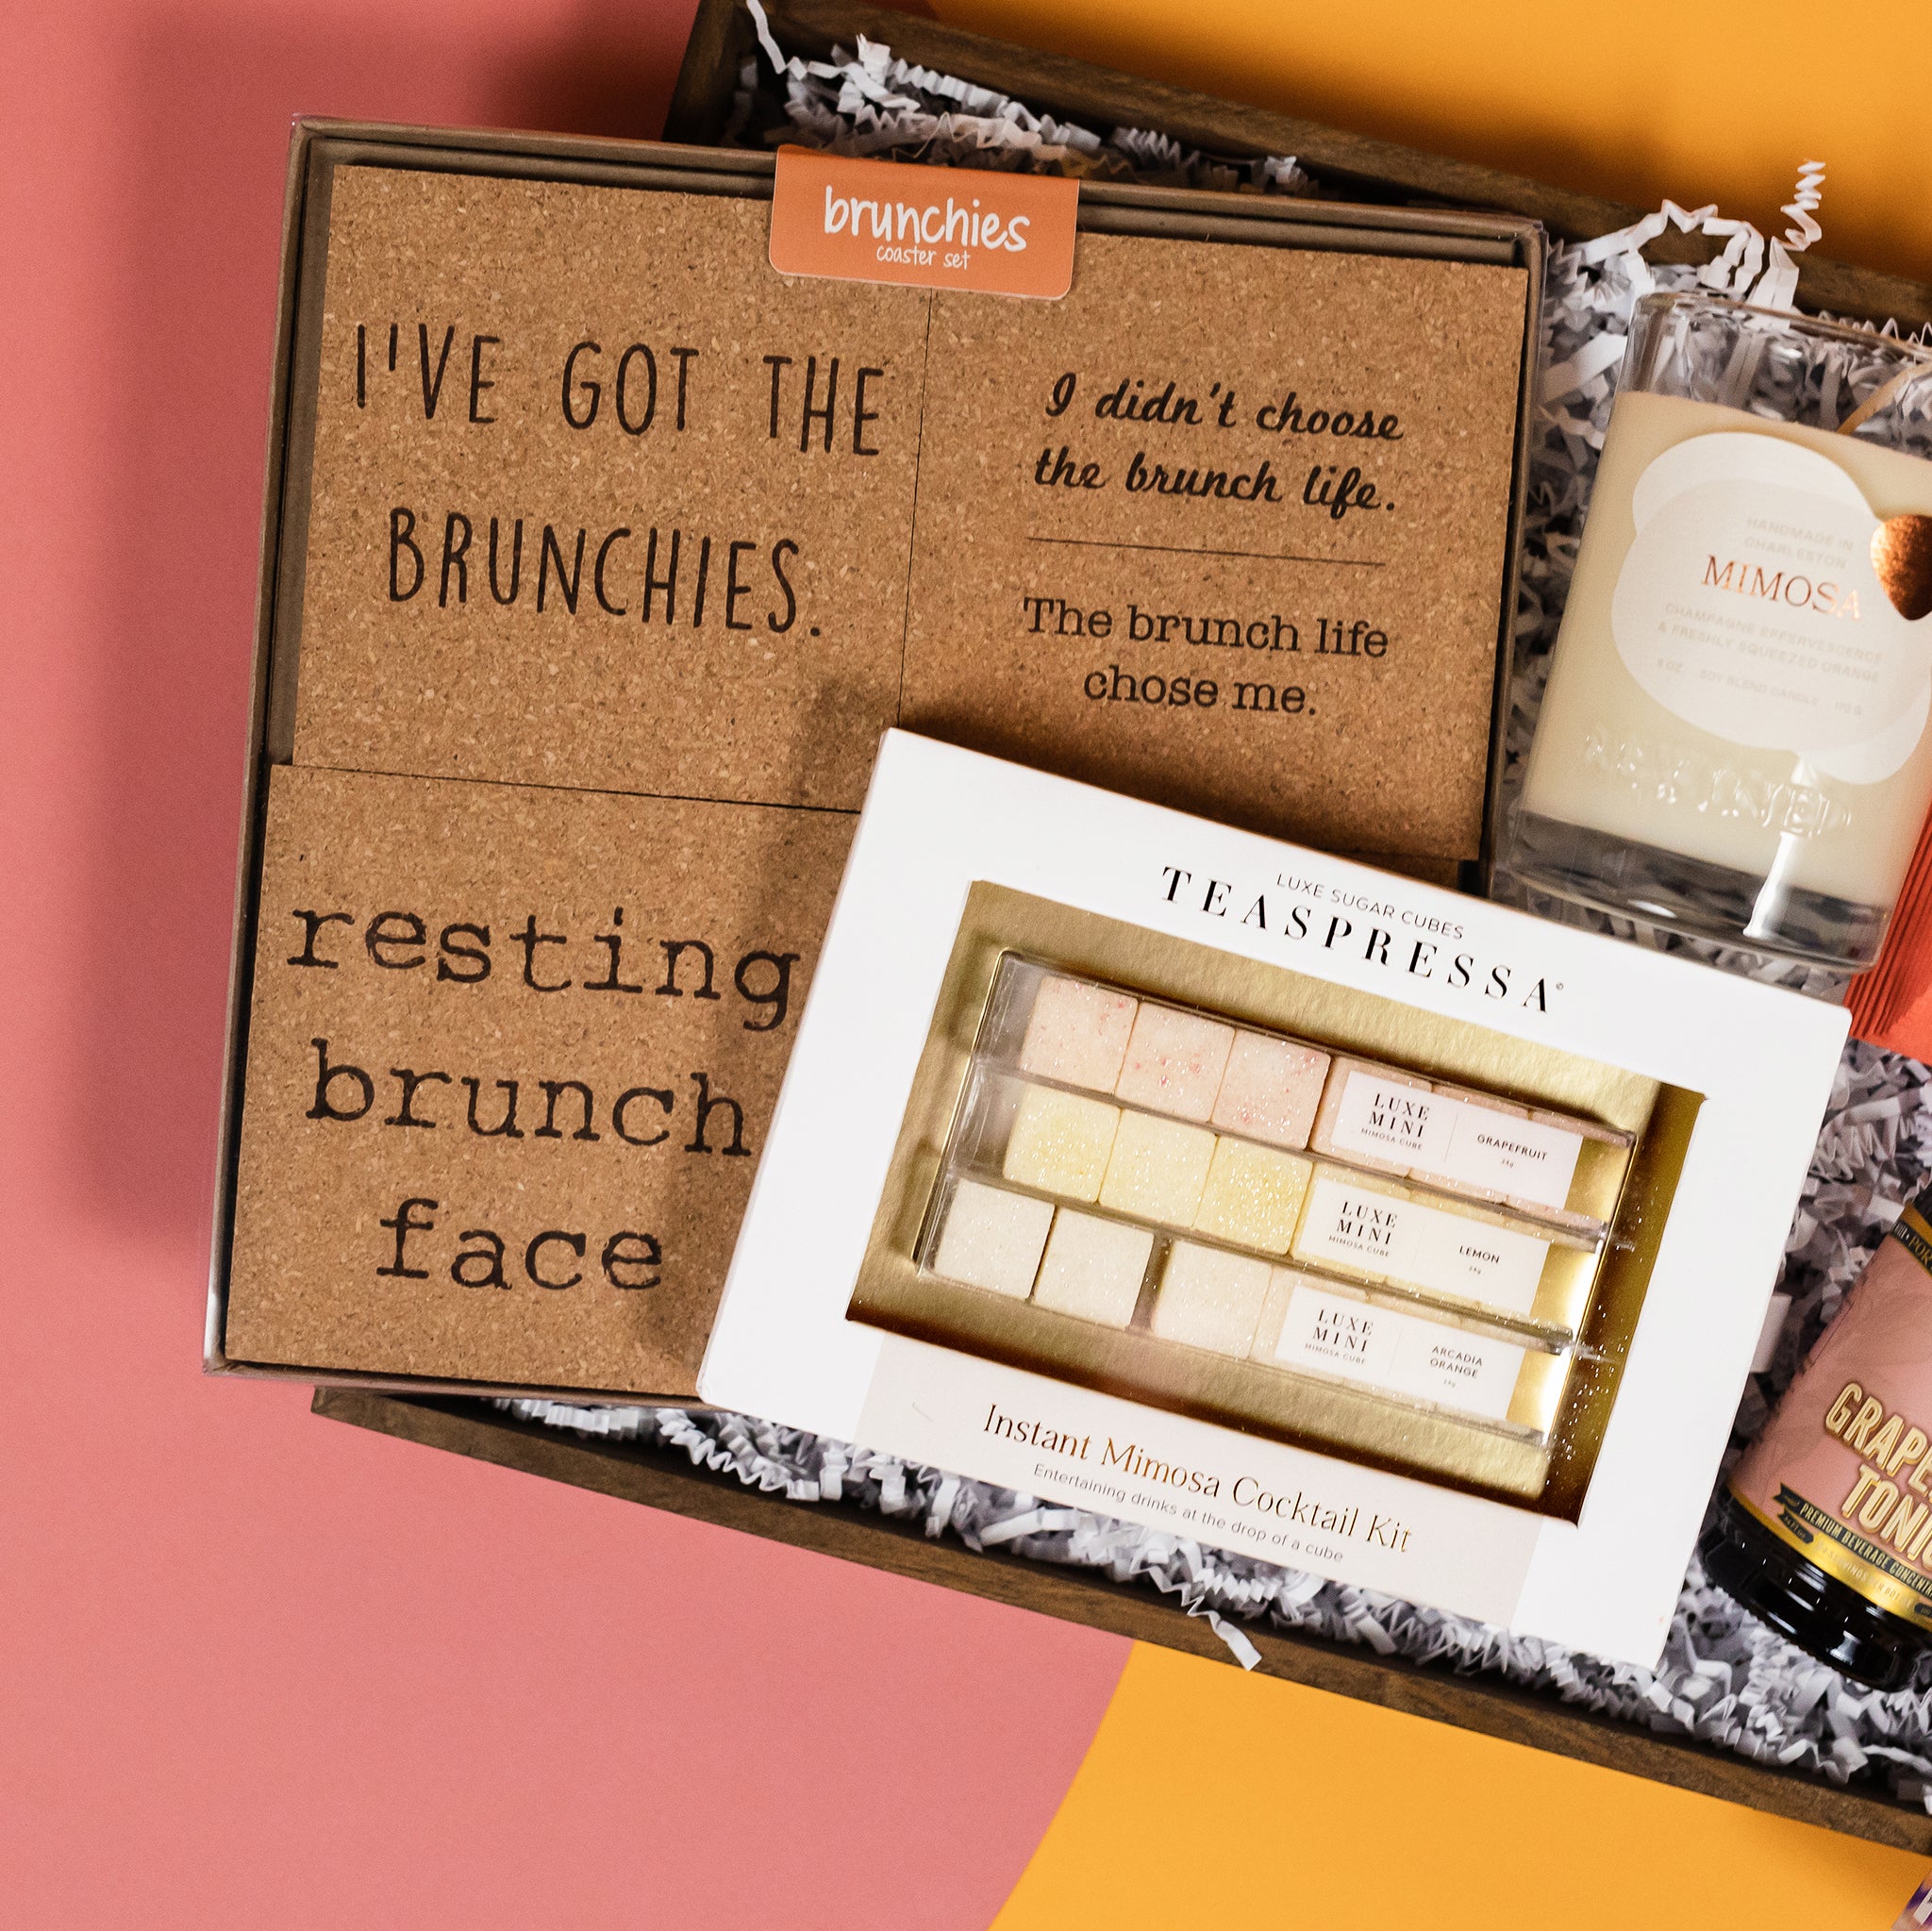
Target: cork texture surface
{"type": "Point", "coordinates": [1228, 531]}
{"type": "Point", "coordinates": [557, 1023]}
{"type": "Point", "coordinates": [651, 570]}
{"type": "Point", "coordinates": [601, 500]}
{"type": "Point", "coordinates": [622, 550]}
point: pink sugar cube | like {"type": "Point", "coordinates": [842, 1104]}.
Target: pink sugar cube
{"type": "Point", "coordinates": [1175, 1062]}
{"type": "Point", "coordinates": [1271, 1089]}
{"type": "Point", "coordinates": [1077, 1034]}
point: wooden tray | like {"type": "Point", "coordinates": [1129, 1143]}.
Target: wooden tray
{"type": "Point", "coordinates": [722, 38]}
{"type": "Point", "coordinates": [1355, 167]}
{"type": "Point", "coordinates": [664, 1478]}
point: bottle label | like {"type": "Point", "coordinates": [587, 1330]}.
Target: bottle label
{"type": "Point", "coordinates": [1843, 1469]}
{"type": "Point", "coordinates": [1751, 605]}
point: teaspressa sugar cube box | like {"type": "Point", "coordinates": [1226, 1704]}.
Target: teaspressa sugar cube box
{"type": "Point", "coordinates": [1156, 1167]}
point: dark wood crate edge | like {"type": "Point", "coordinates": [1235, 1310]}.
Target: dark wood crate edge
{"type": "Point", "coordinates": [722, 37]}
{"type": "Point", "coordinates": [666, 1480]}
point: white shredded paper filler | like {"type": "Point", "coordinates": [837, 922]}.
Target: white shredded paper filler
{"type": "Point", "coordinates": [1724, 1678]}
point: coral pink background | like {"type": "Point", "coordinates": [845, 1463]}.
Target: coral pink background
{"type": "Point", "coordinates": [254, 1668]}
{"type": "Point", "coordinates": [259, 1669]}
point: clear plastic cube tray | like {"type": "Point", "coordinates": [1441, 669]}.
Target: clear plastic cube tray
{"type": "Point", "coordinates": [1143, 1165]}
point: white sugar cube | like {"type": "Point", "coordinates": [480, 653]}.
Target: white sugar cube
{"type": "Point", "coordinates": [993, 1239]}
{"type": "Point", "coordinates": [1093, 1268]}
{"type": "Point", "coordinates": [1209, 1298]}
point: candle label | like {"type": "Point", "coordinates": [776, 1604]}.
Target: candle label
{"type": "Point", "coordinates": [1335, 1334]}
{"type": "Point", "coordinates": [1749, 605]}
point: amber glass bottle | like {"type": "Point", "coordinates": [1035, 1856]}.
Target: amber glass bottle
{"type": "Point", "coordinates": [1824, 1528]}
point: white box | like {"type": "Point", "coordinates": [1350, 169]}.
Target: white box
{"type": "Point", "coordinates": [937, 822]}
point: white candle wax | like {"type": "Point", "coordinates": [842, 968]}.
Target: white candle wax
{"type": "Point", "coordinates": [1666, 748]}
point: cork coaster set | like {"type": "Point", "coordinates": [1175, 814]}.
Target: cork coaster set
{"type": "Point", "coordinates": [600, 554]}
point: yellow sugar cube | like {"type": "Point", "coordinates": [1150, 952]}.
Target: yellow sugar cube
{"type": "Point", "coordinates": [1157, 1169]}
{"type": "Point", "coordinates": [1253, 1196]}
{"type": "Point", "coordinates": [1060, 1143]}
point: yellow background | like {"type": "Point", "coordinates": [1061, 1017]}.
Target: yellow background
{"type": "Point", "coordinates": [1211, 1798]}
{"type": "Point", "coordinates": [1714, 102]}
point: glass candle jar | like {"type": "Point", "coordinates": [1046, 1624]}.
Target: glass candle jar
{"type": "Point", "coordinates": [1734, 741]}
